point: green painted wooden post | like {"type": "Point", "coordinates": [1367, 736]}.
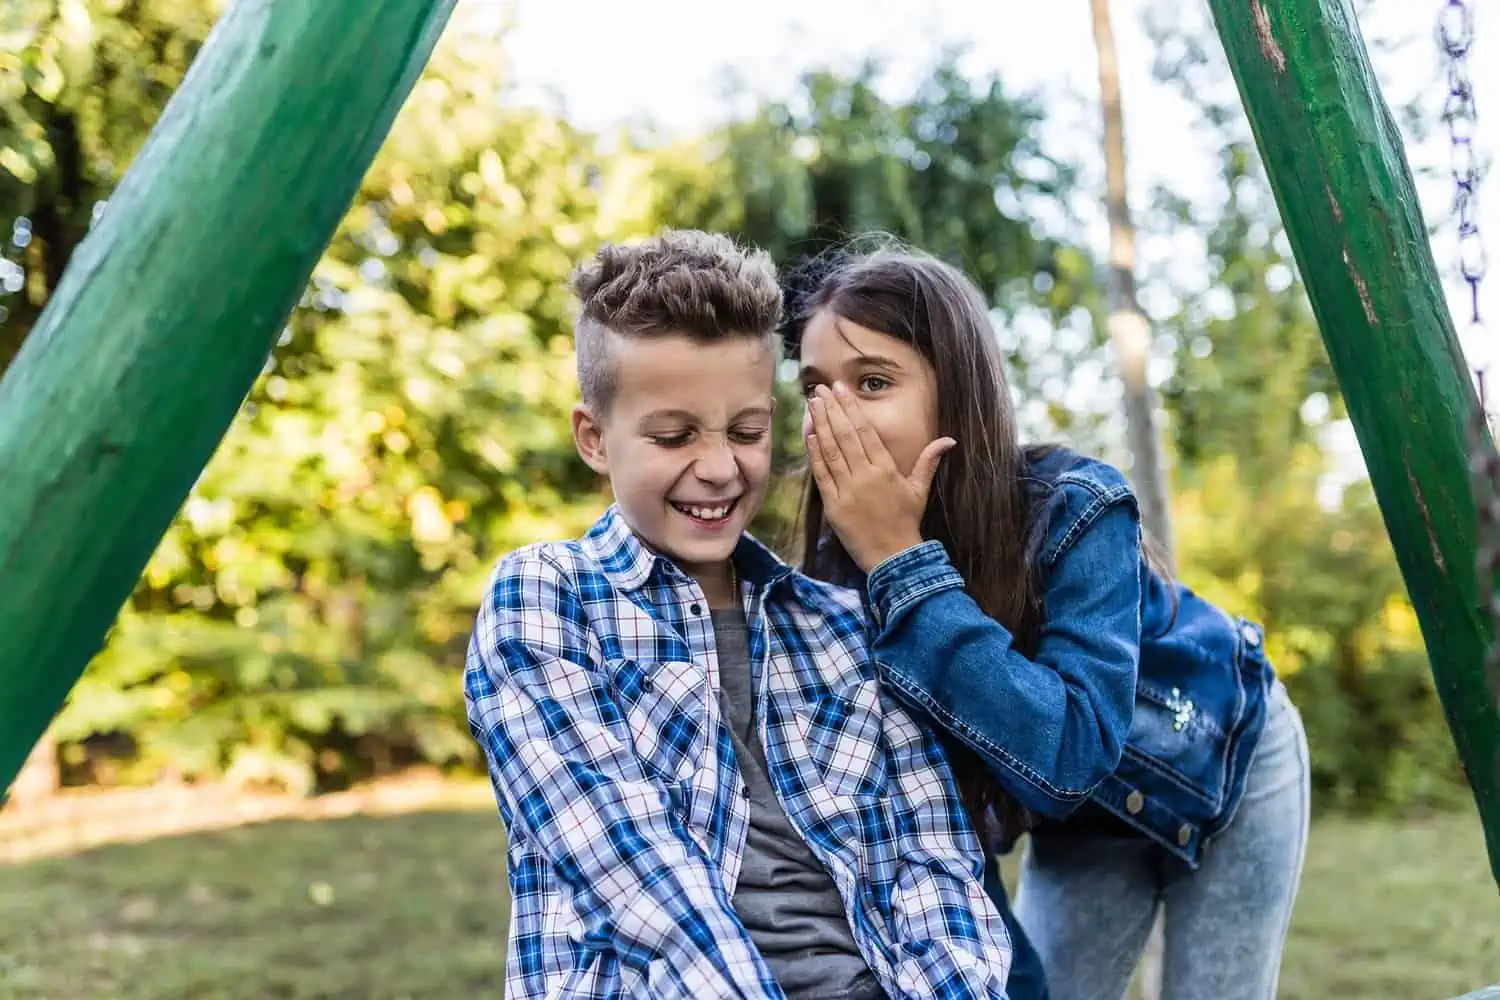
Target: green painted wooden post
{"type": "Point", "coordinates": [1336, 163]}
{"type": "Point", "coordinates": [169, 310]}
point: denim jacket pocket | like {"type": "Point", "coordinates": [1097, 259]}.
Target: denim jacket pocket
{"type": "Point", "coordinates": [1179, 738]}
{"type": "Point", "coordinates": [1199, 708]}
{"type": "Point", "coordinates": [666, 708]}
{"type": "Point", "coordinates": [842, 730]}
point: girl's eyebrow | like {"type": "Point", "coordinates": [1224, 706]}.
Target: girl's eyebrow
{"type": "Point", "coordinates": [809, 372]}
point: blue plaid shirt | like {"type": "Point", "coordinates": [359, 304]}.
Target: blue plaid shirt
{"type": "Point", "coordinates": [593, 687]}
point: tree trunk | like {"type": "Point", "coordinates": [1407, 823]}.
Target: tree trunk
{"type": "Point", "coordinates": [39, 777]}
{"type": "Point", "coordinates": [1129, 329]}
{"type": "Point", "coordinates": [1130, 335]}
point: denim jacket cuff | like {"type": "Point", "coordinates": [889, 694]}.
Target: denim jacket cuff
{"type": "Point", "coordinates": [908, 577]}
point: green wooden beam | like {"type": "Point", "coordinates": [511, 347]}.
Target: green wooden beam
{"type": "Point", "coordinates": [168, 311]}
{"type": "Point", "coordinates": [1336, 163]}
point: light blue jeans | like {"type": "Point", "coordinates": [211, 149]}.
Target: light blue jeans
{"type": "Point", "coordinates": [1087, 902]}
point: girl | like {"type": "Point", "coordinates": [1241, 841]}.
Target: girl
{"type": "Point", "coordinates": [1137, 731]}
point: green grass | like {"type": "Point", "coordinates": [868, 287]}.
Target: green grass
{"type": "Point", "coordinates": [1394, 912]}
{"type": "Point", "coordinates": [414, 906]}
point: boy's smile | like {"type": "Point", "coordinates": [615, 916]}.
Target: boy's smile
{"type": "Point", "coordinates": [686, 443]}
{"type": "Point", "coordinates": [710, 515]}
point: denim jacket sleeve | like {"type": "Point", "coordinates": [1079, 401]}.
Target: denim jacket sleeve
{"type": "Point", "coordinates": [1050, 727]}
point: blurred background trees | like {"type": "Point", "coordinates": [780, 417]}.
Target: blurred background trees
{"type": "Point", "coordinates": [303, 623]}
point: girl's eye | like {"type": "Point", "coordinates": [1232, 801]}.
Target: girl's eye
{"type": "Point", "coordinates": [671, 440]}
{"type": "Point", "coordinates": [873, 383]}
{"type": "Point", "coordinates": [808, 388]}
{"type": "Point", "coordinates": [748, 435]}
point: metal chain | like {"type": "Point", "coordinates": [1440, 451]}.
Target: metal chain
{"type": "Point", "coordinates": [1456, 36]}
{"type": "Point", "coordinates": [13, 272]}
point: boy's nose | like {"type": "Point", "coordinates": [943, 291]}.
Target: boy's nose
{"type": "Point", "coordinates": [716, 464]}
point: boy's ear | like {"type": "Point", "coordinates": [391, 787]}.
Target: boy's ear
{"type": "Point", "coordinates": [588, 438]}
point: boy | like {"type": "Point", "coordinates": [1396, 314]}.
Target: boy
{"type": "Point", "coordinates": [706, 794]}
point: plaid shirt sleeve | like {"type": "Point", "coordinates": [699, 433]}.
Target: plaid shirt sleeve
{"type": "Point", "coordinates": [954, 945]}
{"type": "Point", "coordinates": [570, 782]}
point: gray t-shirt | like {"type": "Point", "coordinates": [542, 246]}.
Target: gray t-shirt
{"type": "Point", "coordinates": [785, 897]}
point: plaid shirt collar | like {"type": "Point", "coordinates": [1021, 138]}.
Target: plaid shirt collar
{"type": "Point", "coordinates": [629, 563]}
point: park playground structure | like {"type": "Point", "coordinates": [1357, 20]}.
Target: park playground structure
{"type": "Point", "coordinates": [167, 314]}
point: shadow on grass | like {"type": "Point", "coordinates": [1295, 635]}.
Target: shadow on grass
{"type": "Point", "coordinates": [365, 907]}
{"type": "Point", "coordinates": [414, 906]}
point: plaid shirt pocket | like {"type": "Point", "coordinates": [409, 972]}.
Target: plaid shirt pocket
{"type": "Point", "coordinates": [842, 729]}
{"type": "Point", "coordinates": [666, 708]}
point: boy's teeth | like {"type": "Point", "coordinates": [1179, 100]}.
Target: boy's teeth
{"type": "Point", "coordinates": [708, 513]}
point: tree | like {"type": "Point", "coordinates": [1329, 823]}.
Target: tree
{"type": "Point", "coordinates": [1129, 328]}
{"type": "Point", "coordinates": [1130, 335]}
{"type": "Point", "coordinates": [955, 168]}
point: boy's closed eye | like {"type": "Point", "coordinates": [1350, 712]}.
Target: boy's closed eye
{"type": "Point", "coordinates": [739, 434]}
{"type": "Point", "coordinates": [749, 434]}
{"type": "Point", "coordinates": [675, 439]}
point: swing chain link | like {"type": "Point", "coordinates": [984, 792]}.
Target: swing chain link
{"type": "Point", "coordinates": [1456, 35]}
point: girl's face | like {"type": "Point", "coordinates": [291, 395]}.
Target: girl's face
{"type": "Point", "coordinates": [895, 385]}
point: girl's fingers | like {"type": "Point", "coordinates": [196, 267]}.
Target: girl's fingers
{"type": "Point", "coordinates": [834, 459]}
{"type": "Point", "coordinates": [822, 477]}
{"type": "Point", "coordinates": [869, 438]}
{"type": "Point", "coordinates": [927, 465]}
{"type": "Point", "coordinates": [843, 428]}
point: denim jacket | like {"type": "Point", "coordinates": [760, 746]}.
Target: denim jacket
{"type": "Point", "coordinates": [1141, 698]}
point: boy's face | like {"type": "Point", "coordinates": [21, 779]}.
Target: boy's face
{"type": "Point", "coordinates": [686, 442]}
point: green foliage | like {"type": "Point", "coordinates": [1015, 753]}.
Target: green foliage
{"type": "Point", "coordinates": [304, 620]}
{"type": "Point", "coordinates": [81, 84]}
{"type": "Point", "coordinates": [956, 169]}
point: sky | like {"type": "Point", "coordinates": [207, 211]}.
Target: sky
{"type": "Point", "coordinates": [609, 62]}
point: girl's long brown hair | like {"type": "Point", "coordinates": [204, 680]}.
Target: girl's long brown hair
{"type": "Point", "coordinates": [980, 507]}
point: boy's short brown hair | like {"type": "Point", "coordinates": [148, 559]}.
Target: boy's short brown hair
{"type": "Point", "coordinates": [685, 282]}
